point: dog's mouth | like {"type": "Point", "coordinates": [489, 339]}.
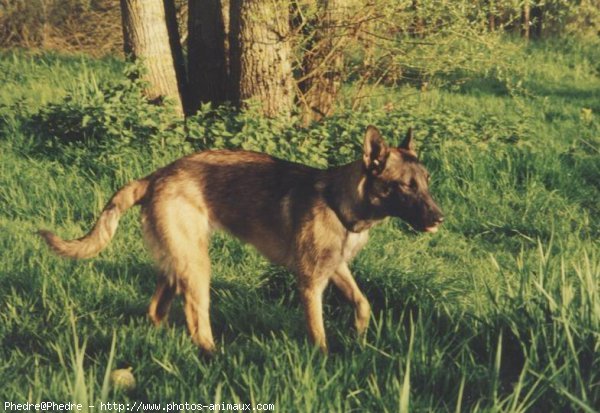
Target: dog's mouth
{"type": "Point", "coordinates": [430, 226]}
{"type": "Point", "coordinates": [432, 229]}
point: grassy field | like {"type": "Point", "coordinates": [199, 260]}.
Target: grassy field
{"type": "Point", "coordinates": [498, 311]}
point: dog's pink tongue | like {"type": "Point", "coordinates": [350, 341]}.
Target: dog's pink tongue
{"type": "Point", "coordinates": [432, 229]}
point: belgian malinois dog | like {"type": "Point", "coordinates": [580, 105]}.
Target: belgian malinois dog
{"type": "Point", "coordinates": [309, 220]}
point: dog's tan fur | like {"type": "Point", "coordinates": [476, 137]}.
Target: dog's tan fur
{"type": "Point", "coordinates": [311, 221]}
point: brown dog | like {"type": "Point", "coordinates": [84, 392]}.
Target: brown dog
{"type": "Point", "coordinates": [309, 220]}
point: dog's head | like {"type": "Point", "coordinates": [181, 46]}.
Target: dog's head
{"type": "Point", "coordinates": [396, 183]}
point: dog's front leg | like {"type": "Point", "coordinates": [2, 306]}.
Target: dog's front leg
{"type": "Point", "coordinates": [311, 292]}
{"type": "Point", "coordinates": [344, 280]}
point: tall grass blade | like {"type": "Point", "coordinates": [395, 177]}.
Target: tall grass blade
{"type": "Point", "coordinates": [404, 404]}
{"type": "Point", "coordinates": [106, 382]}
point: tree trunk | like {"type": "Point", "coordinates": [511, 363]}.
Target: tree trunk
{"type": "Point", "coordinates": [324, 63]}
{"type": "Point", "coordinates": [146, 39]}
{"type": "Point", "coordinates": [177, 52]}
{"type": "Point", "coordinates": [207, 51]}
{"type": "Point", "coordinates": [537, 20]}
{"type": "Point", "coordinates": [417, 28]}
{"type": "Point", "coordinates": [525, 20]}
{"type": "Point", "coordinates": [260, 55]}
{"type": "Point", "coordinates": [492, 15]}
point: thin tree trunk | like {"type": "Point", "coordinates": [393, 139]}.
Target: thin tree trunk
{"type": "Point", "coordinates": [45, 24]}
{"type": "Point", "coordinates": [418, 25]}
{"type": "Point", "coordinates": [146, 39]}
{"type": "Point", "coordinates": [537, 20]}
{"type": "Point", "coordinates": [492, 23]}
{"type": "Point", "coordinates": [207, 51]}
{"type": "Point", "coordinates": [492, 15]}
{"type": "Point", "coordinates": [260, 55]}
{"type": "Point", "coordinates": [525, 20]}
{"type": "Point", "coordinates": [324, 64]}
{"type": "Point", "coordinates": [177, 52]}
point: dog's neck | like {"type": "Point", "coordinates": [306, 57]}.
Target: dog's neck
{"type": "Point", "coordinates": [344, 193]}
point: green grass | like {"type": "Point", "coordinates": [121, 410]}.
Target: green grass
{"type": "Point", "coordinates": [499, 311]}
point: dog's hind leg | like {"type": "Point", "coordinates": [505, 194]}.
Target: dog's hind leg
{"type": "Point", "coordinates": [344, 280]}
{"type": "Point", "coordinates": [178, 233]}
{"type": "Point", "coordinates": [161, 300]}
{"type": "Point", "coordinates": [195, 286]}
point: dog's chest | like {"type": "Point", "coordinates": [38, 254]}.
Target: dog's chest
{"type": "Point", "coordinates": [353, 243]}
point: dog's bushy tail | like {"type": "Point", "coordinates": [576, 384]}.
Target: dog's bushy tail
{"type": "Point", "coordinates": [98, 238]}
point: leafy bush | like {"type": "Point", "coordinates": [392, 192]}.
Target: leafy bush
{"type": "Point", "coordinates": [104, 125]}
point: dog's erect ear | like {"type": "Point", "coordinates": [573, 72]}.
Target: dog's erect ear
{"type": "Point", "coordinates": [407, 143]}
{"type": "Point", "coordinates": [376, 150]}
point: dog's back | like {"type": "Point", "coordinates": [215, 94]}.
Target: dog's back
{"type": "Point", "coordinates": [256, 197]}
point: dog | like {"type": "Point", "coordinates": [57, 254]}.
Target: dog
{"type": "Point", "coordinates": [309, 220]}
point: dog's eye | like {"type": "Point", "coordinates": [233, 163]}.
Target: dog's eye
{"type": "Point", "coordinates": [383, 188]}
{"type": "Point", "coordinates": [386, 190]}
{"type": "Point", "coordinates": [403, 186]}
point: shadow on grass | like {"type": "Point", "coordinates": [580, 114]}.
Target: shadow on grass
{"type": "Point", "coordinates": [240, 312]}
{"type": "Point", "coordinates": [483, 86]}
{"type": "Point", "coordinates": [565, 92]}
